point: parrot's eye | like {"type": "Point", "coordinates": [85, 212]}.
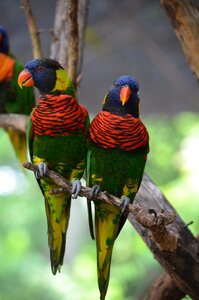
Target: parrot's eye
{"type": "Point", "coordinates": [40, 69]}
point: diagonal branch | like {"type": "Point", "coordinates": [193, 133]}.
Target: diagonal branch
{"type": "Point", "coordinates": [162, 229]}
{"type": "Point", "coordinates": [159, 225]}
{"type": "Point", "coordinates": [34, 33]}
{"type": "Point", "coordinates": [15, 121]}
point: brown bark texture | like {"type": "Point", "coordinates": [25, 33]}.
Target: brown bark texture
{"type": "Point", "coordinates": [73, 40]}
{"type": "Point", "coordinates": [174, 246]}
{"type": "Point", "coordinates": [164, 288]}
{"type": "Point", "coordinates": [162, 229]}
{"type": "Point", "coordinates": [184, 17]}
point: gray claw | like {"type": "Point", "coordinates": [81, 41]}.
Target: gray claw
{"type": "Point", "coordinates": [76, 188]}
{"type": "Point", "coordinates": [43, 168]}
{"type": "Point", "coordinates": [95, 190]}
{"type": "Point", "coordinates": [125, 201]}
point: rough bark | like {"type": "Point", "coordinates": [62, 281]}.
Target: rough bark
{"type": "Point", "coordinates": [73, 40]}
{"type": "Point", "coordinates": [164, 288]}
{"type": "Point", "coordinates": [68, 36]}
{"type": "Point", "coordinates": [162, 229]}
{"type": "Point", "coordinates": [178, 252]}
{"type": "Point", "coordinates": [184, 17]}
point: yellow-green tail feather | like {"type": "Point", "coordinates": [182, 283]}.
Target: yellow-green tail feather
{"type": "Point", "coordinates": [57, 238]}
{"type": "Point", "coordinates": [106, 223]}
{"type": "Point", "coordinates": [58, 213]}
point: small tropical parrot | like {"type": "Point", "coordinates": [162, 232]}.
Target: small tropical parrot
{"type": "Point", "coordinates": [118, 147]}
{"type": "Point", "coordinates": [12, 98]}
{"type": "Point", "coordinates": [57, 140]}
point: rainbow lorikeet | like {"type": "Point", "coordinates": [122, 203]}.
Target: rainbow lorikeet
{"type": "Point", "coordinates": [118, 147]}
{"type": "Point", "coordinates": [12, 98]}
{"type": "Point", "coordinates": [57, 140]}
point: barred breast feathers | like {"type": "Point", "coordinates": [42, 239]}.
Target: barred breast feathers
{"type": "Point", "coordinates": [110, 131]}
{"type": "Point", "coordinates": [55, 115]}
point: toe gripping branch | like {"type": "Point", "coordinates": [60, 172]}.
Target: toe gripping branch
{"type": "Point", "coordinates": [42, 170]}
{"type": "Point", "coordinates": [76, 188]}
{"type": "Point", "coordinates": [155, 222]}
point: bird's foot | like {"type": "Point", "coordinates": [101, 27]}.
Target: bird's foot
{"type": "Point", "coordinates": [125, 201]}
{"type": "Point", "coordinates": [76, 188]}
{"type": "Point", "coordinates": [95, 190]}
{"type": "Point", "coordinates": [41, 173]}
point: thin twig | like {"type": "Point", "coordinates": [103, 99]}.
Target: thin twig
{"type": "Point", "coordinates": [142, 214]}
{"type": "Point", "coordinates": [34, 33]}
{"type": "Point", "coordinates": [73, 40]}
{"type": "Point", "coordinates": [85, 192]}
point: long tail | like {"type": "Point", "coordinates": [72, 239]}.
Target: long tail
{"type": "Point", "coordinates": [58, 214]}
{"type": "Point", "coordinates": [104, 265]}
{"type": "Point", "coordinates": [106, 223]}
{"type": "Point", "coordinates": [18, 141]}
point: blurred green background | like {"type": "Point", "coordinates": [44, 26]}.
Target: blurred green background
{"type": "Point", "coordinates": [25, 268]}
{"type": "Point", "coordinates": [123, 37]}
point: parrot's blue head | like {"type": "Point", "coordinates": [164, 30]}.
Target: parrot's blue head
{"type": "Point", "coordinates": [4, 42]}
{"type": "Point", "coordinates": [122, 98]}
{"type": "Point", "coordinates": [46, 74]}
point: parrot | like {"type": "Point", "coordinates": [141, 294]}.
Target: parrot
{"type": "Point", "coordinates": [12, 98]}
{"type": "Point", "coordinates": [118, 145]}
{"type": "Point", "coordinates": [57, 138]}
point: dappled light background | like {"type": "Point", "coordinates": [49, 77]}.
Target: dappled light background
{"type": "Point", "coordinates": [123, 37]}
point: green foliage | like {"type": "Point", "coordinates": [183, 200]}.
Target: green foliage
{"type": "Point", "coordinates": [173, 162]}
{"type": "Point", "coordinates": [25, 268]}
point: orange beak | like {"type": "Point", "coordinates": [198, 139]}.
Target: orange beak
{"type": "Point", "coordinates": [25, 79]}
{"type": "Point", "coordinates": [125, 94]}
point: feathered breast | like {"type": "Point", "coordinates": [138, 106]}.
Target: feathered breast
{"type": "Point", "coordinates": [55, 115]}
{"type": "Point", "coordinates": [6, 67]}
{"type": "Point", "coordinates": [110, 131]}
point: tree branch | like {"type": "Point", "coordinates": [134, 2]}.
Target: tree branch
{"type": "Point", "coordinates": [34, 33]}
{"type": "Point", "coordinates": [180, 259]}
{"type": "Point", "coordinates": [160, 226]}
{"type": "Point", "coordinates": [184, 17]}
{"type": "Point", "coordinates": [164, 288]}
{"type": "Point", "coordinates": [59, 45]}
{"type": "Point", "coordinates": [73, 40]}
{"type": "Point", "coordinates": [15, 121]}
{"type": "Point", "coordinates": [68, 32]}
{"type": "Point", "coordinates": [82, 22]}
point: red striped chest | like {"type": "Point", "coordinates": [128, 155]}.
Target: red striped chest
{"type": "Point", "coordinates": [58, 115]}
{"type": "Point", "coordinates": [110, 131]}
